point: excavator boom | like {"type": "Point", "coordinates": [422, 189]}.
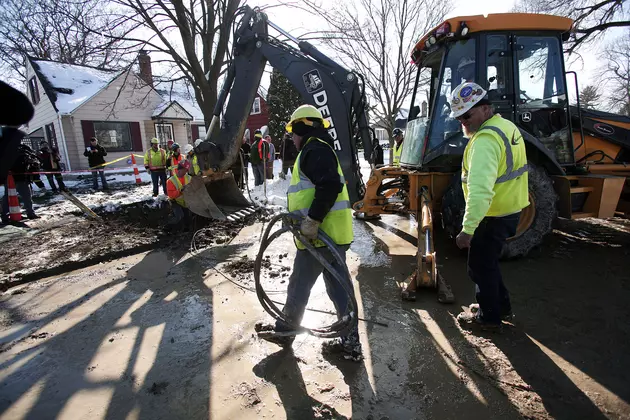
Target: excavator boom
{"type": "Point", "coordinates": [335, 91]}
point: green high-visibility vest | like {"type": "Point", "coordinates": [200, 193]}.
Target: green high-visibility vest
{"type": "Point", "coordinates": [511, 192]}
{"type": "Point", "coordinates": [397, 153]}
{"type": "Point", "coordinates": [338, 222]}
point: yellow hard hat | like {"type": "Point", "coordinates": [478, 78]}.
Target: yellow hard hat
{"type": "Point", "coordinates": [155, 141]}
{"type": "Point", "coordinates": [303, 114]}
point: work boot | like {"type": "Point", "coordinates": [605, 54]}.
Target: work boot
{"type": "Point", "coordinates": [507, 317]}
{"type": "Point", "coordinates": [268, 332]}
{"type": "Point", "coordinates": [32, 216]}
{"type": "Point", "coordinates": [473, 321]}
{"type": "Point", "coordinates": [350, 349]}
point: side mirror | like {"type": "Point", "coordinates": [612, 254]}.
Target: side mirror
{"type": "Point", "coordinates": [413, 114]}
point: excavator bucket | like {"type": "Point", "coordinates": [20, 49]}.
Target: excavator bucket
{"type": "Point", "coordinates": [216, 197]}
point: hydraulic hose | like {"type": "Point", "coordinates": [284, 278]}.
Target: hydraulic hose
{"type": "Point", "coordinates": [291, 223]}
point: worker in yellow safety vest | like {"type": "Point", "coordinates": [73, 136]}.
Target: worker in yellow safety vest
{"type": "Point", "coordinates": [318, 194]}
{"type": "Point", "coordinates": [398, 145]}
{"type": "Point", "coordinates": [155, 163]}
{"type": "Point", "coordinates": [494, 180]}
{"type": "Point", "coordinates": [191, 157]}
{"type": "Point", "coordinates": [175, 187]}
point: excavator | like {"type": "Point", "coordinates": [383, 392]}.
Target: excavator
{"type": "Point", "coordinates": [577, 159]}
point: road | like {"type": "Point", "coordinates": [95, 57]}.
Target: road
{"type": "Point", "coordinates": [169, 335]}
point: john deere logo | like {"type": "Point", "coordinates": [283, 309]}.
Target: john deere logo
{"type": "Point", "coordinates": [604, 129]}
{"type": "Point", "coordinates": [312, 81]}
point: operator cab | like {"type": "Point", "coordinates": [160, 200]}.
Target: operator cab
{"type": "Point", "coordinates": [517, 58]}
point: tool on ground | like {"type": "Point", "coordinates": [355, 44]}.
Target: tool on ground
{"type": "Point", "coordinates": [291, 223]}
{"type": "Point", "coordinates": [88, 212]}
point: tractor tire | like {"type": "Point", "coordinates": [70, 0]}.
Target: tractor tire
{"type": "Point", "coordinates": [536, 220]}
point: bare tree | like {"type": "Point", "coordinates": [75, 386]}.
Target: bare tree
{"type": "Point", "coordinates": [592, 17]}
{"type": "Point", "coordinates": [616, 73]}
{"type": "Point", "coordinates": [191, 40]}
{"type": "Point", "coordinates": [590, 97]}
{"type": "Point", "coordinates": [375, 38]}
{"type": "Point", "coordinates": [67, 31]}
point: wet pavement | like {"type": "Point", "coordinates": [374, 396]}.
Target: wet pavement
{"type": "Point", "coordinates": [169, 335]}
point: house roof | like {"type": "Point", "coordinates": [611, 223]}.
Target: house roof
{"type": "Point", "coordinates": [185, 100]}
{"type": "Point", "coordinates": [161, 111]}
{"type": "Point", "coordinates": [69, 85]}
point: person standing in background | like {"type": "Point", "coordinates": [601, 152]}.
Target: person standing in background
{"type": "Point", "coordinates": [96, 158]}
{"type": "Point", "coordinates": [51, 163]}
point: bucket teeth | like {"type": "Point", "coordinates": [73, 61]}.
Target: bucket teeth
{"type": "Point", "coordinates": [216, 197]}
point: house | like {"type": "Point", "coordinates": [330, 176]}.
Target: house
{"type": "Point", "coordinates": [259, 115]}
{"type": "Point", "coordinates": [380, 128]}
{"type": "Point", "coordinates": [122, 109]}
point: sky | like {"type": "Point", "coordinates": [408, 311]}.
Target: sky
{"type": "Point", "coordinates": [297, 22]}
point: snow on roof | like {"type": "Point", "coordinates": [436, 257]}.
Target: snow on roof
{"type": "Point", "coordinates": [403, 114]}
{"type": "Point", "coordinates": [73, 85]}
{"type": "Point", "coordinates": [183, 98]}
{"type": "Point", "coordinates": [160, 108]}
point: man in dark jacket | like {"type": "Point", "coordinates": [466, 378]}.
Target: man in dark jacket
{"type": "Point", "coordinates": [319, 195]}
{"type": "Point", "coordinates": [20, 169]}
{"type": "Point", "coordinates": [288, 153]}
{"type": "Point", "coordinates": [96, 159]}
{"type": "Point", "coordinates": [50, 163]}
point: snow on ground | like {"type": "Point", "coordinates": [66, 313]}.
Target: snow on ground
{"type": "Point", "coordinates": [276, 197]}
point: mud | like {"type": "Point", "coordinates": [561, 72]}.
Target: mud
{"type": "Point", "coordinates": [59, 246]}
{"type": "Point", "coordinates": [176, 319]}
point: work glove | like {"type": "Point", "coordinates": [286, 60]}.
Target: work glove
{"type": "Point", "coordinates": [309, 228]}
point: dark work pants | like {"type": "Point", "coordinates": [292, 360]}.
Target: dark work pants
{"type": "Point", "coordinates": [59, 179]}
{"type": "Point", "coordinates": [157, 176]}
{"type": "Point", "coordinates": [483, 265]}
{"type": "Point", "coordinates": [179, 214]}
{"type": "Point", "coordinates": [306, 270]}
{"type": "Point", "coordinates": [259, 177]}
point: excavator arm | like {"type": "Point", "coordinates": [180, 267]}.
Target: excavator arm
{"type": "Point", "coordinates": [335, 91]}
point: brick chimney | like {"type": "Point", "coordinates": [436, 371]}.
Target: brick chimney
{"type": "Point", "coordinates": [144, 62]}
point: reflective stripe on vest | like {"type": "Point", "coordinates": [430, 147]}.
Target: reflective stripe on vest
{"type": "Point", "coordinates": [338, 222]}
{"type": "Point", "coordinates": [397, 153]}
{"type": "Point", "coordinates": [510, 173]}
{"type": "Point", "coordinates": [178, 184]}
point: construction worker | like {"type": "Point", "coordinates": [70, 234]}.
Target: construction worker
{"type": "Point", "coordinates": [175, 190]}
{"type": "Point", "coordinates": [494, 180]}
{"type": "Point", "coordinates": [174, 158]}
{"type": "Point", "coordinates": [318, 194]}
{"type": "Point", "coordinates": [258, 150]}
{"type": "Point", "coordinates": [155, 163]}
{"type": "Point", "coordinates": [191, 157]}
{"type": "Point", "coordinates": [398, 143]}
{"type": "Point", "coordinates": [169, 148]}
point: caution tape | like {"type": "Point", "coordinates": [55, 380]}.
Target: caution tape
{"type": "Point", "coordinates": [97, 168]}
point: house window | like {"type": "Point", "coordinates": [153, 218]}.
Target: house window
{"type": "Point", "coordinates": [256, 106]}
{"type": "Point", "coordinates": [114, 136]}
{"type": "Point", "coordinates": [164, 133]}
{"type": "Point", "coordinates": [34, 89]}
{"type": "Point", "coordinates": [51, 136]}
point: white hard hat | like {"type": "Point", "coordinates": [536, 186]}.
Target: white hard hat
{"type": "Point", "coordinates": [198, 142]}
{"type": "Point", "coordinates": [464, 97]}
{"type": "Point", "coordinates": [188, 148]}
{"type": "Point", "coordinates": [465, 61]}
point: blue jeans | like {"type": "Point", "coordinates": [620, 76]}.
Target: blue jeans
{"type": "Point", "coordinates": [483, 266]}
{"type": "Point", "coordinates": [23, 189]}
{"type": "Point", "coordinates": [306, 270]}
{"type": "Point", "coordinates": [158, 176]}
{"type": "Point", "coordinates": [179, 213]}
{"type": "Point", "coordinates": [95, 175]}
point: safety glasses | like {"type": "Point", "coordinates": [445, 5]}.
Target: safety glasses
{"type": "Point", "coordinates": [468, 115]}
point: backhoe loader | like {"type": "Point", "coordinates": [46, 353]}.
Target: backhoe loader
{"type": "Point", "coordinates": [577, 158]}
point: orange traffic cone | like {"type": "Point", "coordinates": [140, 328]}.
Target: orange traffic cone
{"type": "Point", "coordinates": [15, 214]}
{"type": "Point", "coordinates": [135, 170]}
